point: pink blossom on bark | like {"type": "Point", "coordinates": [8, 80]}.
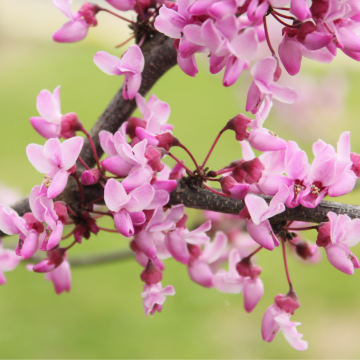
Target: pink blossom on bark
{"type": "Point", "coordinates": [131, 64]}
{"type": "Point", "coordinates": [56, 160]}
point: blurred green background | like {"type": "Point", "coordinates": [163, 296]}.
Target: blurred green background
{"type": "Point", "coordinates": [102, 316]}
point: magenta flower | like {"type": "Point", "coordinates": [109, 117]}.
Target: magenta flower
{"type": "Point", "coordinates": [77, 28]}
{"type": "Point", "coordinates": [259, 212]}
{"type": "Point", "coordinates": [276, 319]}
{"type": "Point", "coordinates": [48, 106]}
{"type": "Point", "coordinates": [60, 277]}
{"type": "Point", "coordinates": [264, 85]}
{"type": "Point", "coordinates": [199, 264]}
{"type": "Point", "coordinates": [27, 227]}
{"type": "Point", "coordinates": [330, 172]}
{"type": "Point", "coordinates": [56, 160]}
{"type": "Point", "coordinates": [176, 241]}
{"type": "Point", "coordinates": [154, 297]}
{"type": "Point", "coordinates": [122, 5]}
{"type": "Point", "coordinates": [54, 215]}
{"type": "Point", "coordinates": [8, 262]}
{"type": "Point", "coordinates": [131, 64]}
{"type": "Point", "coordinates": [336, 237]}
{"type": "Point", "coordinates": [151, 241]}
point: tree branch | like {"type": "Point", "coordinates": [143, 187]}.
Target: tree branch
{"type": "Point", "coordinates": [199, 198]}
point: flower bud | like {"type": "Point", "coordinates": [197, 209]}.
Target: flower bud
{"type": "Point", "coordinates": [151, 274]}
{"type": "Point", "coordinates": [132, 124]}
{"type": "Point", "coordinates": [277, 73]}
{"type": "Point", "coordinates": [288, 302]}
{"type": "Point", "coordinates": [253, 169]}
{"type": "Point", "coordinates": [227, 183]}
{"type": "Point", "coordinates": [54, 259]}
{"type": "Point", "coordinates": [230, 187]}
{"type": "Point", "coordinates": [323, 238]}
{"type": "Point", "coordinates": [88, 11]}
{"type": "Point", "coordinates": [355, 159]}
{"type": "Point", "coordinates": [239, 124]}
{"type": "Point", "coordinates": [306, 28]}
{"type": "Point", "coordinates": [32, 223]}
{"type": "Point", "coordinates": [155, 154]}
{"type": "Point", "coordinates": [70, 123]}
{"type": "Point", "coordinates": [304, 250]}
{"type": "Point", "coordinates": [90, 177]}
{"type": "Point", "coordinates": [167, 140]}
{"type": "Point", "coordinates": [245, 268]}
{"type": "Point", "coordinates": [61, 211]}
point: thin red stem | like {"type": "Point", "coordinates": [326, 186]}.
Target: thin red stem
{"type": "Point", "coordinates": [254, 252]}
{"type": "Point", "coordinates": [225, 170]}
{"type": "Point", "coordinates": [191, 156]}
{"type": "Point", "coordinates": [282, 15]}
{"type": "Point", "coordinates": [119, 16]}
{"type": "Point", "coordinates": [282, 8]}
{"type": "Point", "coordinates": [181, 164]}
{"type": "Point", "coordinates": [71, 211]}
{"type": "Point", "coordinates": [301, 228]}
{"type": "Point", "coordinates": [285, 263]}
{"type": "Point", "coordinates": [124, 42]}
{"type": "Point", "coordinates": [215, 191]}
{"type": "Point", "coordinates": [141, 9]}
{"type": "Point", "coordinates": [83, 163]}
{"type": "Point", "coordinates": [96, 200]}
{"type": "Point", "coordinates": [71, 245]}
{"type": "Point", "coordinates": [283, 23]}
{"type": "Point", "coordinates": [142, 40]}
{"type": "Point", "coordinates": [92, 147]}
{"type": "Point", "coordinates": [108, 230]}
{"type": "Point", "coordinates": [267, 37]}
{"type": "Point", "coordinates": [79, 186]}
{"type": "Point", "coordinates": [211, 149]}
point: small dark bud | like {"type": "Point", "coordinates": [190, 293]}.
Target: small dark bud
{"type": "Point", "coordinates": [151, 274]}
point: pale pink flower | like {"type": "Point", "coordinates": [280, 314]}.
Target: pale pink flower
{"type": "Point", "coordinates": [60, 277]}
{"type": "Point", "coordinates": [77, 28]}
{"type": "Point", "coordinates": [264, 85]}
{"type": "Point", "coordinates": [56, 160]}
{"type": "Point", "coordinates": [154, 297]}
{"type": "Point", "coordinates": [131, 64]}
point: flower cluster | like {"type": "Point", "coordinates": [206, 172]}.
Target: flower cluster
{"type": "Point", "coordinates": [135, 184]}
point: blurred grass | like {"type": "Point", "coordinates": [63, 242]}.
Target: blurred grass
{"type": "Point", "coordinates": [102, 316]}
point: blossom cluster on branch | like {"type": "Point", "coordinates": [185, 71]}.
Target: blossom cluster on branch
{"type": "Point", "coordinates": [137, 184]}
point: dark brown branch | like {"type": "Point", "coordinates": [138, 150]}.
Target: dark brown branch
{"type": "Point", "coordinates": [198, 198]}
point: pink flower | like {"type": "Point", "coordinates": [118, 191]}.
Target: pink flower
{"type": "Point", "coordinates": [127, 208]}
{"type": "Point", "coordinates": [154, 297]}
{"type": "Point", "coordinates": [77, 28]}
{"type": "Point", "coordinates": [122, 5]}
{"type": "Point", "coordinates": [55, 215]}
{"type": "Point", "coordinates": [264, 85]}
{"type": "Point", "coordinates": [336, 237]}
{"type": "Point", "coordinates": [27, 227]}
{"type": "Point", "coordinates": [199, 265]}
{"type": "Point", "coordinates": [277, 317]}
{"type": "Point", "coordinates": [131, 64]}
{"type": "Point", "coordinates": [330, 172]}
{"type": "Point", "coordinates": [176, 241]}
{"type": "Point", "coordinates": [259, 212]}
{"type": "Point", "coordinates": [52, 124]}
{"type": "Point", "coordinates": [56, 161]}
{"type": "Point", "coordinates": [60, 277]}
{"type": "Point", "coordinates": [8, 262]}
